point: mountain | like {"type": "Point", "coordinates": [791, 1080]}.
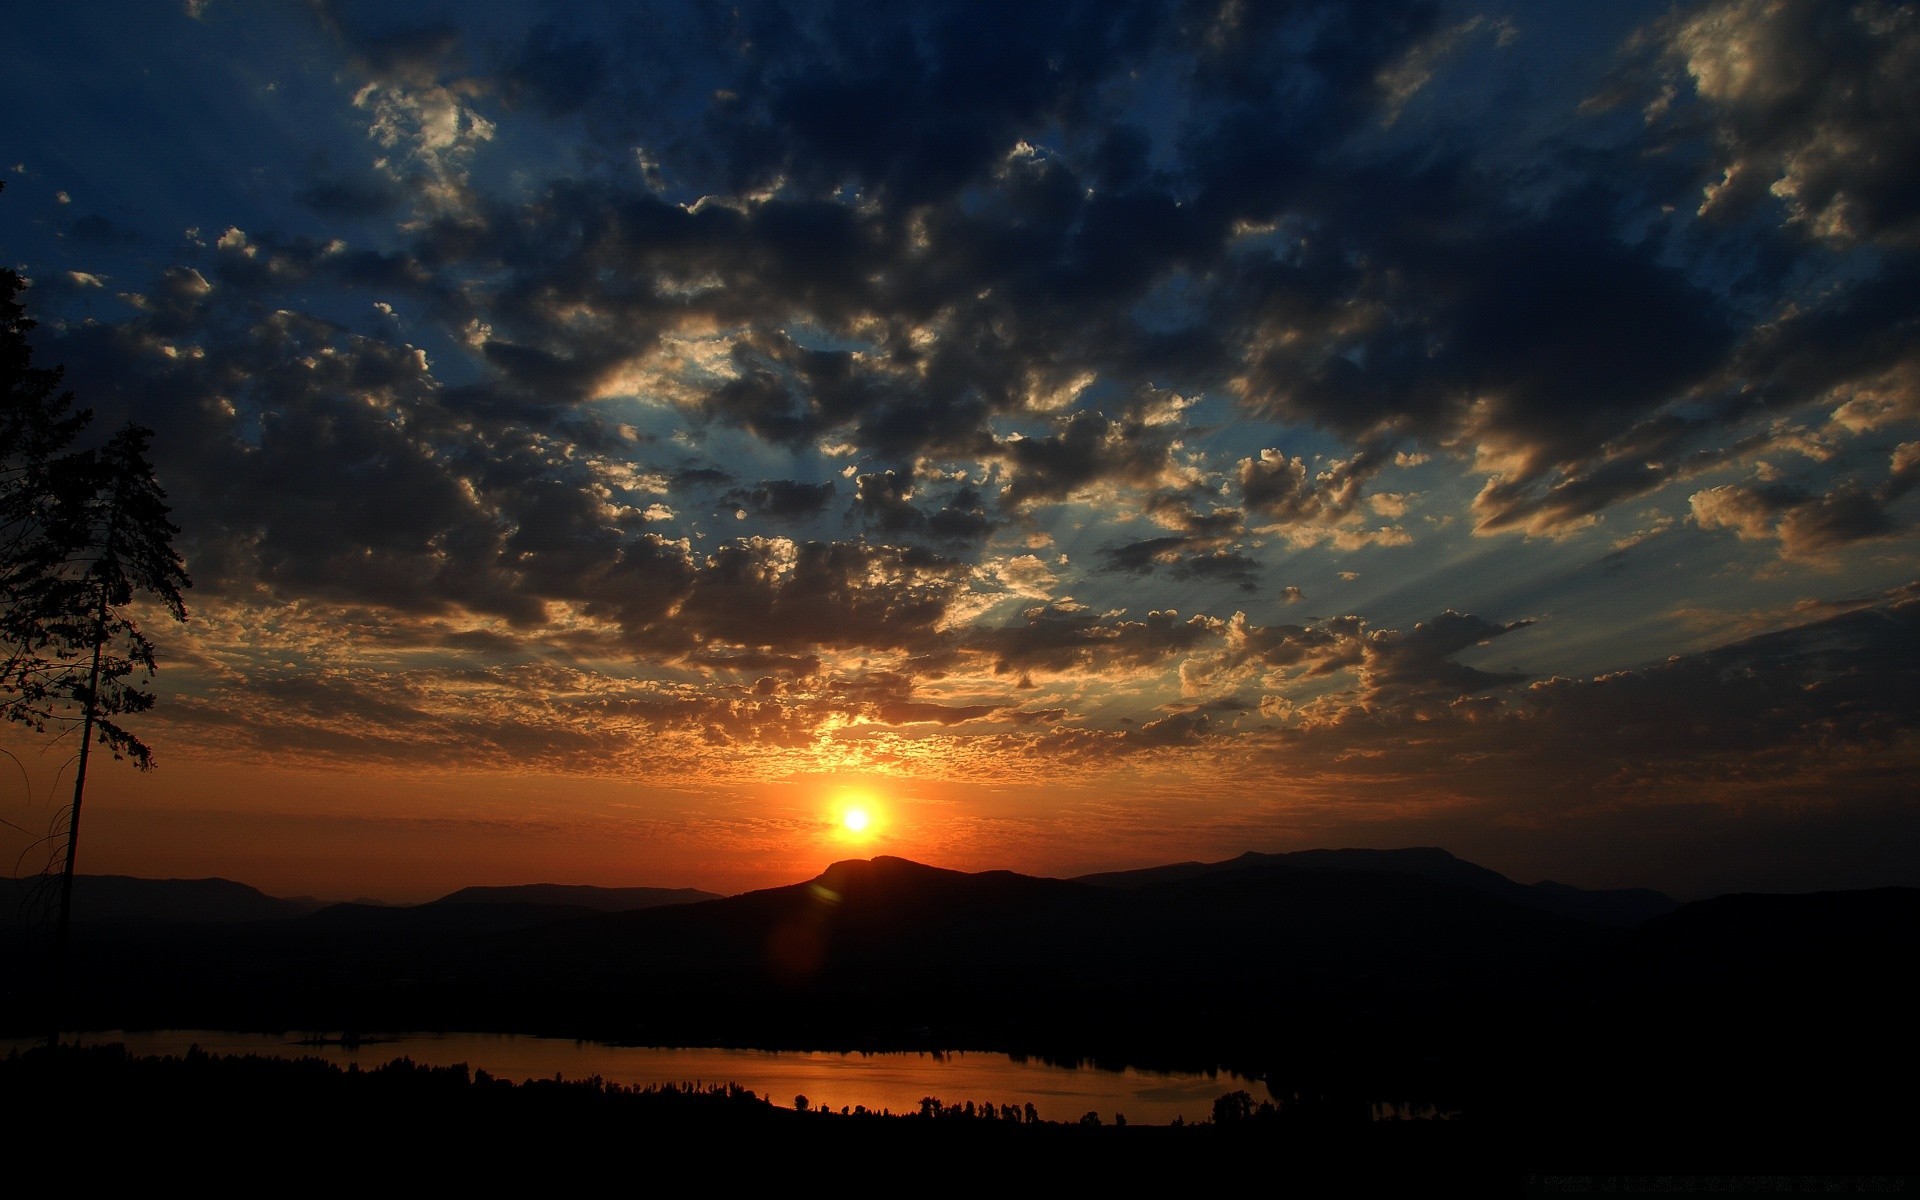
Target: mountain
{"type": "Point", "coordinates": [1331, 965]}
{"type": "Point", "coordinates": [1619, 908]}
{"type": "Point", "coordinates": [1342, 977]}
{"type": "Point", "coordinates": [125, 898]}
{"type": "Point", "coordinates": [597, 899]}
{"type": "Point", "coordinates": [885, 953]}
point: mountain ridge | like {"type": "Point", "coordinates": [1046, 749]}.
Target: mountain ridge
{"type": "Point", "coordinates": [117, 896]}
{"type": "Point", "coordinates": [582, 895]}
{"type": "Point", "coordinates": [1615, 907]}
{"type": "Point", "coordinates": [1345, 963]}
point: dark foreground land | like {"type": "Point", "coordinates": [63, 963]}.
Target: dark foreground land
{"type": "Point", "coordinates": [302, 1126]}
{"type": "Point", "coordinates": [1578, 1036]}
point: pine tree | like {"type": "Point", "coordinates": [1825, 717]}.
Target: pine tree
{"type": "Point", "coordinates": [83, 534]}
{"type": "Point", "coordinates": [36, 433]}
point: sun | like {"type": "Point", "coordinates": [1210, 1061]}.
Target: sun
{"type": "Point", "coordinates": [856, 816]}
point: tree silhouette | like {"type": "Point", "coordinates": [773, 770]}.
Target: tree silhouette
{"type": "Point", "coordinates": [36, 431]}
{"type": "Point", "coordinates": [83, 535]}
{"type": "Point", "coordinates": [1232, 1108]}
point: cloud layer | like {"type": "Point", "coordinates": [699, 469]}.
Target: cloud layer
{"type": "Point", "coordinates": [798, 388]}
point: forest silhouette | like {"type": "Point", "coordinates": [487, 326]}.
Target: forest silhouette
{"type": "Point", "coordinates": [1751, 1030]}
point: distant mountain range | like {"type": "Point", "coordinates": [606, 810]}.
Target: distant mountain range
{"type": "Point", "coordinates": [222, 901]}
{"type": "Point", "coordinates": [1409, 968]}
{"type": "Point", "coordinates": [1622, 908]}
{"type": "Point", "coordinates": [1338, 975]}
{"type": "Point", "coordinates": [599, 899]}
{"type": "Point", "coordinates": [127, 898]}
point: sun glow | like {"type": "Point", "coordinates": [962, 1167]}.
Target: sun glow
{"type": "Point", "coordinates": [856, 816]}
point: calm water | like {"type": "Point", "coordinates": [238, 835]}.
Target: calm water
{"type": "Point", "coordinates": [878, 1081]}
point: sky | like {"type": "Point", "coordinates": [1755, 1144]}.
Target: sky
{"type": "Point", "coordinates": [611, 440]}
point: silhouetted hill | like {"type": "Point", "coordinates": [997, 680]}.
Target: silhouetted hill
{"type": "Point", "coordinates": [1619, 908]}
{"type": "Point", "coordinates": [1775, 1024]}
{"type": "Point", "coordinates": [125, 898]}
{"type": "Point", "coordinates": [1774, 1013]}
{"type": "Point", "coordinates": [598, 899]}
{"type": "Point", "coordinates": [890, 953]}
{"type": "Point", "coordinates": [871, 952]}
{"type": "Point", "coordinates": [1338, 971]}
{"type": "Point", "coordinates": [435, 920]}
{"type": "Point", "coordinates": [1826, 956]}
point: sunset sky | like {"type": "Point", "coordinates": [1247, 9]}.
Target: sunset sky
{"type": "Point", "coordinates": [611, 440]}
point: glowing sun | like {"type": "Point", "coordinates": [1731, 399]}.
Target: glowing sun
{"type": "Point", "coordinates": [857, 816]}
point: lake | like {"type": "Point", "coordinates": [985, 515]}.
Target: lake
{"type": "Point", "coordinates": [892, 1081]}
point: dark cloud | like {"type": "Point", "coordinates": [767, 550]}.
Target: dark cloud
{"type": "Point", "coordinates": [754, 662]}
{"type": "Point", "coordinates": [387, 43]}
{"type": "Point", "coordinates": [1694, 757]}
{"type": "Point", "coordinates": [311, 480]}
{"type": "Point", "coordinates": [1220, 566]}
{"type": "Point", "coordinates": [888, 698]}
{"type": "Point", "coordinates": [1088, 448]}
{"type": "Point", "coordinates": [962, 518]}
{"type": "Point", "coordinates": [1533, 338]}
{"type": "Point", "coordinates": [94, 229]}
{"type": "Point", "coordinates": [353, 198]}
{"type": "Point", "coordinates": [1459, 315]}
{"type": "Point", "coordinates": [784, 499]}
{"type": "Point", "coordinates": [1807, 525]}
{"type": "Point", "coordinates": [1138, 558]}
{"type": "Point", "coordinates": [771, 592]}
{"type": "Point", "coordinates": [696, 477]}
{"type": "Point", "coordinates": [1171, 554]}
{"type": "Point", "coordinates": [885, 500]}
{"type": "Point", "coordinates": [1824, 686]}
{"type": "Point", "coordinates": [1176, 729]}
{"type": "Point", "coordinates": [1101, 305]}
{"type": "Point", "coordinates": [1809, 108]}
{"type": "Point", "coordinates": [1039, 716]}
{"type": "Point", "coordinates": [1318, 649]}
{"type": "Point", "coordinates": [1280, 489]}
{"type": "Point", "coordinates": [1054, 639]}
{"type": "Point", "coordinates": [913, 104]}
{"type": "Point", "coordinates": [347, 478]}
{"type": "Point", "coordinates": [558, 72]}
{"type": "Point", "coordinates": [1399, 668]}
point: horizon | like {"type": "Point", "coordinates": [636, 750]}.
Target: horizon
{"type": "Point", "coordinates": [659, 446]}
{"type": "Point", "coordinates": [418, 898]}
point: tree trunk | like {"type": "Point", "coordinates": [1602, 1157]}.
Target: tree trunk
{"type": "Point", "coordinates": [73, 824]}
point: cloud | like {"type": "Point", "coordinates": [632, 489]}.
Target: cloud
{"type": "Point", "coordinates": [773, 592]}
{"type": "Point", "coordinates": [949, 322]}
{"type": "Point", "coordinates": [1088, 449]}
{"type": "Point", "coordinates": [1840, 160]}
{"type": "Point", "coordinates": [354, 198]}
{"type": "Point", "coordinates": [1398, 668]}
{"type": "Point", "coordinates": [885, 500]}
{"type": "Point", "coordinates": [558, 72]}
{"type": "Point", "coordinates": [1057, 639]}
{"type": "Point", "coordinates": [784, 499]}
{"type": "Point", "coordinates": [1404, 79]}
{"type": "Point", "coordinates": [1279, 488]}
{"type": "Point", "coordinates": [1807, 525]}
{"type": "Point", "coordinates": [1025, 575]}
{"type": "Point", "coordinates": [1202, 549]}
